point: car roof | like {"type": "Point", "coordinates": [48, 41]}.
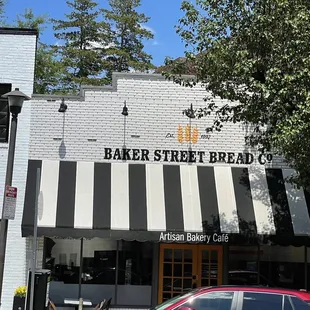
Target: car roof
{"type": "Point", "coordinates": [262, 289]}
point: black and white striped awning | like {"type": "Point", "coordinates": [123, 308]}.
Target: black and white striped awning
{"type": "Point", "coordinates": [140, 201]}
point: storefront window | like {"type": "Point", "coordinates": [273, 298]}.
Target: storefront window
{"type": "Point", "coordinates": [106, 263]}
{"type": "Point", "coordinates": [268, 265]}
{"type": "Point", "coordinates": [135, 263]}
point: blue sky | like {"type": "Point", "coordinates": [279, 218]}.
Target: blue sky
{"type": "Point", "coordinates": [164, 15]}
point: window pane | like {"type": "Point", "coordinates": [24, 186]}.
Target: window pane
{"type": "Point", "coordinates": [212, 300]}
{"type": "Point", "coordinates": [62, 257]}
{"type": "Point", "coordinates": [262, 301]}
{"type": "Point", "coordinates": [299, 304]}
{"type": "Point", "coordinates": [135, 274]}
{"type": "Point", "coordinates": [4, 113]}
{"type": "Point", "coordinates": [135, 263]}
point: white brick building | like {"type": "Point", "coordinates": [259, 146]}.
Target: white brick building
{"type": "Point", "coordinates": [164, 187]}
{"type": "Point", "coordinates": [17, 59]}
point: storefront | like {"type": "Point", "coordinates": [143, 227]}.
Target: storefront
{"type": "Point", "coordinates": [161, 203]}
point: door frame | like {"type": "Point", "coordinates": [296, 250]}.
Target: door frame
{"type": "Point", "coordinates": [197, 258]}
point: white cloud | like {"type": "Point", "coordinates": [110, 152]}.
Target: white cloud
{"type": "Point", "coordinates": [148, 28]}
{"type": "Point", "coordinates": [155, 43]}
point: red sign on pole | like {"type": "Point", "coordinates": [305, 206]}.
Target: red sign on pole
{"type": "Point", "coordinates": [10, 202]}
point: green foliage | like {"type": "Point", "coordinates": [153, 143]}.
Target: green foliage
{"type": "Point", "coordinates": [126, 49]}
{"type": "Point", "coordinates": [254, 53]}
{"type": "Point", "coordinates": [2, 16]}
{"type": "Point", "coordinates": [92, 43]}
{"type": "Point", "coordinates": [80, 49]}
{"type": "Point", "coordinates": [47, 69]}
{"type": "Point", "coordinates": [29, 20]}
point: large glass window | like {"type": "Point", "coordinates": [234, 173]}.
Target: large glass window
{"type": "Point", "coordinates": [106, 264]}
{"type": "Point", "coordinates": [135, 263]}
{"type": "Point", "coordinates": [268, 265]}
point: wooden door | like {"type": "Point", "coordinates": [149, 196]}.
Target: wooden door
{"type": "Point", "coordinates": [183, 267]}
{"type": "Point", "coordinates": [177, 269]}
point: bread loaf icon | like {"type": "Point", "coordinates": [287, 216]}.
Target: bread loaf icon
{"type": "Point", "coordinates": [180, 134]}
{"type": "Point", "coordinates": [188, 133]}
{"type": "Point", "coordinates": [195, 135]}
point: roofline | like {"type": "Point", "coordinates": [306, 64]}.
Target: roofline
{"type": "Point", "coordinates": [19, 31]}
{"type": "Point", "coordinates": [108, 88]}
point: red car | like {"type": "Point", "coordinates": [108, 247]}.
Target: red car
{"type": "Point", "coordinates": [238, 298]}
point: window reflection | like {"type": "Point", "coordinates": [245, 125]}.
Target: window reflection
{"type": "Point", "coordinates": [135, 260]}
{"type": "Point", "coordinates": [276, 266]}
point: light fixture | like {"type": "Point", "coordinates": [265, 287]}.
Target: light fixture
{"type": "Point", "coordinates": [63, 107]}
{"type": "Point", "coordinates": [16, 99]}
{"type": "Point", "coordinates": [125, 109]}
{"type": "Point", "coordinates": [190, 112]}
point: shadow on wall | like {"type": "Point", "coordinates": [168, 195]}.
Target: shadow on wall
{"type": "Point", "coordinates": [62, 147]}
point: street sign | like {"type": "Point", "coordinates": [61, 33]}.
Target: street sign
{"type": "Point", "coordinates": [10, 202]}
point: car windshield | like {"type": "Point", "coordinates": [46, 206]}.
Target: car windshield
{"type": "Point", "coordinates": [173, 300]}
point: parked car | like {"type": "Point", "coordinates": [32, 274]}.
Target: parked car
{"type": "Point", "coordinates": [238, 298]}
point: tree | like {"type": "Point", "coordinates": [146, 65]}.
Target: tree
{"type": "Point", "coordinates": [2, 20]}
{"type": "Point", "coordinates": [81, 48]}
{"type": "Point", "coordinates": [47, 68]}
{"type": "Point", "coordinates": [126, 50]}
{"type": "Point", "coordinates": [255, 53]}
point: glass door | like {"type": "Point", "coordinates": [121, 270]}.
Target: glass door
{"type": "Point", "coordinates": [177, 270]}
{"type": "Point", "coordinates": [210, 265]}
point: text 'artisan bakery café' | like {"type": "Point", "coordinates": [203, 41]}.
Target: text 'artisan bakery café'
{"type": "Point", "coordinates": [146, 211]}
{"type": "Point", "coordinates": [185, 156]}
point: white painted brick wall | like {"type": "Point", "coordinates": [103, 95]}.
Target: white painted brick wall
{"type": "Point", "coordinates": [17, 58]}
{"type": "Point", "coordinates": [155, 109]}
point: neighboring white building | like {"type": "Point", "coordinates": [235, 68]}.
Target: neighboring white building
{"type": "Point", "coordinates": [17, 60]}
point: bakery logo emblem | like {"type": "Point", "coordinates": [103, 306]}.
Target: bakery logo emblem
{"type": "Point", "coordinates": [189, 134]}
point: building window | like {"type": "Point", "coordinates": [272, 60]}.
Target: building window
{"type": "Point", "coordinates": [135, 263]}
{"type": "Point", "coordinates": [4, 113]}
{"type": "Point", "coordinates": [268, 265]}
{"type": "Point", "coordinates": [121, 270]}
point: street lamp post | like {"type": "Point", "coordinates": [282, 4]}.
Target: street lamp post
{"type": "Point", "coordinates": [16, 99]}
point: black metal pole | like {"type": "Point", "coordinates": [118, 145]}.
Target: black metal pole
{"type": "Point", "coordinates": [8, 182]}
{"type": "Point", "coordinates": [306, 268]}
{"type": "Point", "coordinates": [81, 269]}
{"type": "Point", "coordinates": [116, 272]}
{"type": "Point", "coordinates": [258, 263]}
